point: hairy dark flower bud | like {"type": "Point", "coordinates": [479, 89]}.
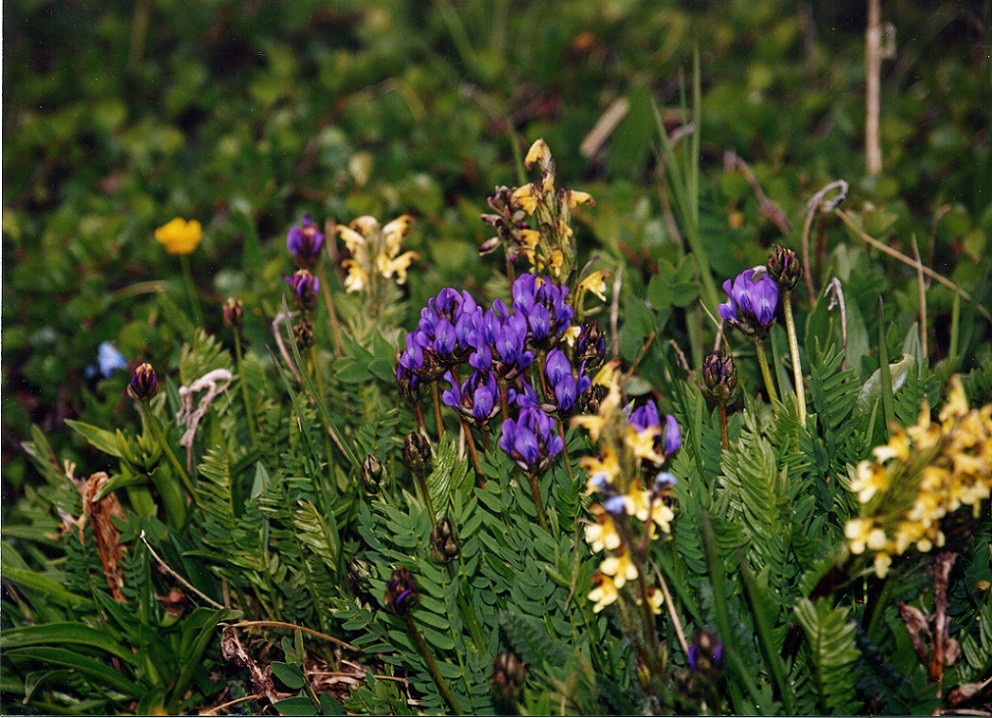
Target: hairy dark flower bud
{"type": "Point", "coordinates": [705, 653]}
{"type": "Point", "coordinates": [417, 453]}
{"type": "Point", "coordinates": [590, 348]}
{"type": "Point", "coordinates": [720, 375]}
{"type": "Point", "coordinates": [444, 541]}
{"type": "Point", "coordinates": [144, 383]}
{"type": "Point", "coordinates": [233, 312]}
{"type": "Point", "coordinates": [401, 594]}
{"type": "Point", "coordinates": [372, 473]}
{"type": "Point", "coordinates": [784, 267]}
{"type": "Point", "coordinates": [360, 573]}
{"type": "Point", "coordinates": [303, 333]}
{"type": "Point", "coordinates": [509, 675]}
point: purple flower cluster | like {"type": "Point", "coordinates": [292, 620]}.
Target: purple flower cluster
{"type": "Point", "coordinates": [752, 298]}
{"type": "Point", "coordinates": [500, 345]}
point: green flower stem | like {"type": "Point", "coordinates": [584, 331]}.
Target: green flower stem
{"type": "Point", "coordinates": [245, 397]}
{"type": "Point", "coordinates": [564, 451]}
{"type": "Point", "coordinates": [767, 374]}
{"type": "Point", "coordinates": [436, 395]}
{"type": "Point", "coordinates": [723, 426]}
{"type": "Point", "coordinates": [194, 303]}
{"type": "Point", "coordinates": [167, 449]}
{"type": "Point", "coordinates": [535, 490]}
{"type": "Point", "coordinates": [331, 312]}
{"type": "Point", "coordinates": [474, 454]}
{"type": "Point", "coordinates": [797, 368]}
{"type": "Point", "coordinates": [422, 484]}
{"type": "Point", "coordinates": [431, 665]}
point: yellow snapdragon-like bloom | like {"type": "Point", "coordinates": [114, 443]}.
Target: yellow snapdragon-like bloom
{"type": "Point", "coordinates": [871, 479]}
{"type": "Point", "coordinates": [595, 282]}
{"type": "Point", "coordinates": [603, 533]}
{"type": "Point", "coordinates": [645, 507]}
{"type": "Point", "coordinates": [642, 443]}
{"type": "Point", "coordinates": [525, 197]}
{"type": "Point", "coordinates": [619, 567]}
{"type": "Point", "coordinates": [179, 236]}
{"type": "Point", "coordinates": [601, 470]}
{"type": "Point", "coordinates": [575, 198]}
{"type": "Point", "coordinates": [538, 152]}
{"type": "Point", "coordinates": [897, 448]}
{"type": "Point", "coordinates": [357, 278]}
{"type": "Point", "coordinates": [604, 592]}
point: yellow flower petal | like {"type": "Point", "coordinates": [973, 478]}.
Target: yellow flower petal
{"type": "Point", "coordinates": [538, 152]}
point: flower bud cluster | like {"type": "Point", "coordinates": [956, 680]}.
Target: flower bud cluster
{"type": "Point", "coordinates": [304, 242]}
{"type": "Point", "coordinates": [633, 486]}
{"type": "Point", "coordinates": [923, 474]}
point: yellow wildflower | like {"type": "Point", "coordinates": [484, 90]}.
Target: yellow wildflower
{"type": "Point", "coordinates": [538, 152]}
{"type": "Point", "coordinates": [354, 241]}
{"type": "Point", "coordinates": [882, 563]}
{"type": "Point", "coordinates": [655, 599]}
{"type": "Point", "coordinates": [897, 448]}
{"type": "Point", "coordinates": [575, 198]}
{"type": "Point", "coordinates": [642, 443]}
{"type": "Point", "coordinates": [525, 197]}
{"type": "Point", "coordinates": [357, 278]}
{"type": "Point", "coordinates": [957, 402]}
{"type": "Point", "coordinates": [595, 283]}
{"type": "Point", "coordinates": [620, 567]}
{"type": "Point", "coordinates": [644, 507]}
{"type": "Point", "coordinates": [180, 236]}
{"type": "Point", "coordinates": [603, 533]}
{"type": "Point", "coordinates": [572, 333]}
{"type": "Point", "coordinates": [600, 470]}
{"type": "Point", "coordinates": [388, 267]}
{"type": "Point", "coordinates": [872, 478]}
{"type": "Point", "coordinates": [604, 592]}
{"type": "Point", "coordinates": [925, 434]}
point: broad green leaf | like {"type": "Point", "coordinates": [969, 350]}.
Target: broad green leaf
{"type": "Point", "coordinates": [105, 441]}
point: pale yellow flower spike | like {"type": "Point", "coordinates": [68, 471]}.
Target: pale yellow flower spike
{"type": "Point", "coordinates": [620, 567]}
{"type": "Point", "coordinates": [897, 448]}
{"type": "Point", "coordinates": [352, 239]}
{"type": "Point", "coordinates": [179, 236]}
{"type": "Point", "coordinates": [357, 279]}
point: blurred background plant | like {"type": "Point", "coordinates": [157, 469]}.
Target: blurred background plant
{"type": "Point", "coordinates": [705, 134]}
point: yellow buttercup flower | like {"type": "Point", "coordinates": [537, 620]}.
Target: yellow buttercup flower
{"type": "Point", "coordinates": [180, 236]}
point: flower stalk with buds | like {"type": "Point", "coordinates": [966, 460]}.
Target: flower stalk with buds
{"type": "Point", "coordinates": [784, 267]}
{"type": "Point", "coordinates": [752, 298]}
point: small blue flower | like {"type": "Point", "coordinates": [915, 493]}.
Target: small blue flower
{"type": "Point", "coordinates": [108, 361]}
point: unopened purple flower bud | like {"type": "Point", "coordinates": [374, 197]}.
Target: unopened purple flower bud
{"type": "Point", "coordinates": [304, 242]}
{"type": "Point", "coordinates": [401, 593]}
{"type": "Point", "coordinates": [417, 453]}
{"type": "Point", "coordinates": [705, 653]}
{"type": "Point", "coordinates": [673, 436]}
{"type": "Point", "coordinates": [233, 312]}
{"type": "Point", "coordinates": [509, 676]}
{"type": "Point", "coordinates": [372, 473]}
{"type": "Point", "coordinates": [144, 383]}
{"type": "Point", "coordinates": [720, 375]}
{"type": "Point", "coordinates": [784, 267]}
{"type": "Point", "coordinates": [444, 541]}
{"type": "Point", "coordinates": [305, 287]}
{"type": "Point", "coordinates": [590, 349]}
